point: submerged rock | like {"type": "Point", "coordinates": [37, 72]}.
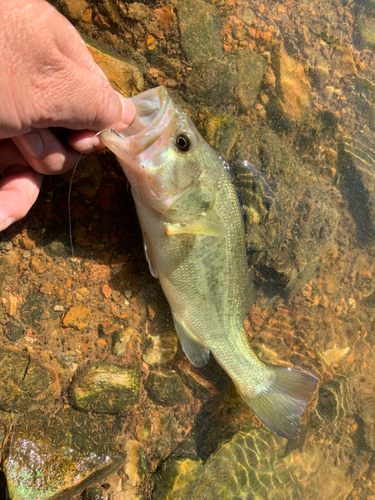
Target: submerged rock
{"type": "Point", "coordinates": [235, 80]}
{"type": "Point", "coordinates": [24, 383]}
{"type": "Point", "coordinates": [160, 349]}
{"type": "Point", "coordinates": [289, 220]}
{"type": "Point", "coordinates": [365, 25]}
{"type": "Point", "coordinates": [77, 317]}
{"type": "Point", "coordinates": [294, 86]}
{"type": "Point", "coordinates": [124, 75]}
{"type": "Point", "coordinates": [197, 18]}
{"type": "Point", "coordinates": [219, 130]}
{"type": "Point", "coordinates": [106, 389]}
{"type": "Point", "coordinates": [120, 340]}
{"type": "Point", "coordinates": [166, 387]}
{"type": "Point", "coordinates": [56, 457]}
{"type": "Point", "coordinates": [253, 465]}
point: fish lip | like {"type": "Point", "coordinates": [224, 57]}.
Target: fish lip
{"type": "Point", "coordinates": [152, 118]}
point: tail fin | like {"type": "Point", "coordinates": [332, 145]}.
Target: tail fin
{"type": "Point", "coordinates": [280, 405]}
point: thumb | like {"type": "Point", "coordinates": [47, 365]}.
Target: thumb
{"type": "Point", "coordinates": [84, 99]}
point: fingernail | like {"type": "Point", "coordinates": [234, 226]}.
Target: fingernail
{"type": "Point", "coordinates": [128, 111]}
{"type": "Point", "coordinates": [6, 223]}
{"type": "Point", "coordinates": [30, 144]}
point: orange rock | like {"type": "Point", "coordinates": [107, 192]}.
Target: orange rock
{"type": "Point", "coordinates": [47, 288]}
{"type": "Point", "coordinates": [151, 42]}
{"type": "Point", "coordinates": [87, 16]}
{"type": "Point", "coordinates": [106, 290]}
{"type": "Point", "coordinates": [295, 87]}
{"type": "Point", "coordinates": [99, 273]}
{"type": "Point", "coordinates": [77, 317]}
{"type": "Point", "coordinates": [100, 20]}
{"type": "Point", "coordinates": [252, 32]}
{"type": "Point", "coordinates": [165, 16]}
{"type": "Point", "coordinates": [124, 75]}
{"type": "Point", "coordinates": [27, 243]}
{"type": "Point", "coordinates": [37, 266]}
{"type": "Point", "coordinates": [153, 72]}
{"type": "Point", "coordinates": [12, 305]}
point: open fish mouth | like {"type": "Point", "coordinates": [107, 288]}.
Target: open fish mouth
{"type": "Point", "coordinates": [153, 115]}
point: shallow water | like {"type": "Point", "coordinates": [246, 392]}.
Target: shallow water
{"type": "Point", "coordinates": [292, 85]}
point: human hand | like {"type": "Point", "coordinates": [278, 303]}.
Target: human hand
{"type": "Point", "coordinates": [50, 86]}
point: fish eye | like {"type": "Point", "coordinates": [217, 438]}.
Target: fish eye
{"type": "Point", "coordinates": [183, 142]}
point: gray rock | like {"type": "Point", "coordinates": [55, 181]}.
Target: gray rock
{"type": "Point", "coordinates": [166, 387]}
{"type": "Point", "coordinates": [199, 25]}
{"type": "Point", "coordinates": [235, 80]}
{"type": "Point", "coordinates": [138, 11]}
{"type": "Point", "coordinates": [23, 382]}
{"type": "Point", "coordinates": [365, 25]}
{"type": "Point", "coordinates": [14, 331]}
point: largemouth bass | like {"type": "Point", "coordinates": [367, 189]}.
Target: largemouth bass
{"type": "Point", "coordinates": [195, 244]}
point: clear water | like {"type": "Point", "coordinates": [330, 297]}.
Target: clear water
{"type": "Point", "coordinates": [290, 87]}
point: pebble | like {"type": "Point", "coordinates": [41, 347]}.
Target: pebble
{"type": "Point", "coordinates": [138, 11]}
{"type": "Point", "coordinates": [106, 290]}
{"type": "Point", "coordinates": [37, 265]}
{"type": "Point", "coordinates": [159, 349]}
{"type": "Point", "coordinates": [77, 317]}
{"type": "Point", "coordinates": [74, 8]}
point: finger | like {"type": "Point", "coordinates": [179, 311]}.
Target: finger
{"type": "Point", "coordinates": [85, 141]}
{"type": "Point", "coordinates": [19, 189]}
{"type": "Point", "coordinates": [43, 151]}
{"type": "Point", "coordinates": [83, 100]}
{"type": "Point", "coordinates": [10, 155]}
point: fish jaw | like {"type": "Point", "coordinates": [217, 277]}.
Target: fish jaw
{"type": "Point", "coordinates": [143, 146]}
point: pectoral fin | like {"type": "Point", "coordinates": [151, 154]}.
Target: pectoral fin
{"type": "Point", "coordinates": [199, 227]}
{"type": "Point", "coordinates": [197, 353]}
{"type": "Point", "coordinates": [149, 256]}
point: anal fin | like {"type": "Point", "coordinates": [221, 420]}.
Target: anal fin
{"type": "Point", "coordinates": [197, 353]}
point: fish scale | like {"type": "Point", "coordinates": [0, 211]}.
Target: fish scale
{"type": "Point", "coordinates": [195, 244]}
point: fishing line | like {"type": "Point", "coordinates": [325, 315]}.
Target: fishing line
{"type": "Point", "coordinates": [69, 197]}
{"type": "Point", "coordinates": [69, 213]}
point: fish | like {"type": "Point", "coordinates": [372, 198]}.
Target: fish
{"type": "Point", "coordinates": [194, 242]}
